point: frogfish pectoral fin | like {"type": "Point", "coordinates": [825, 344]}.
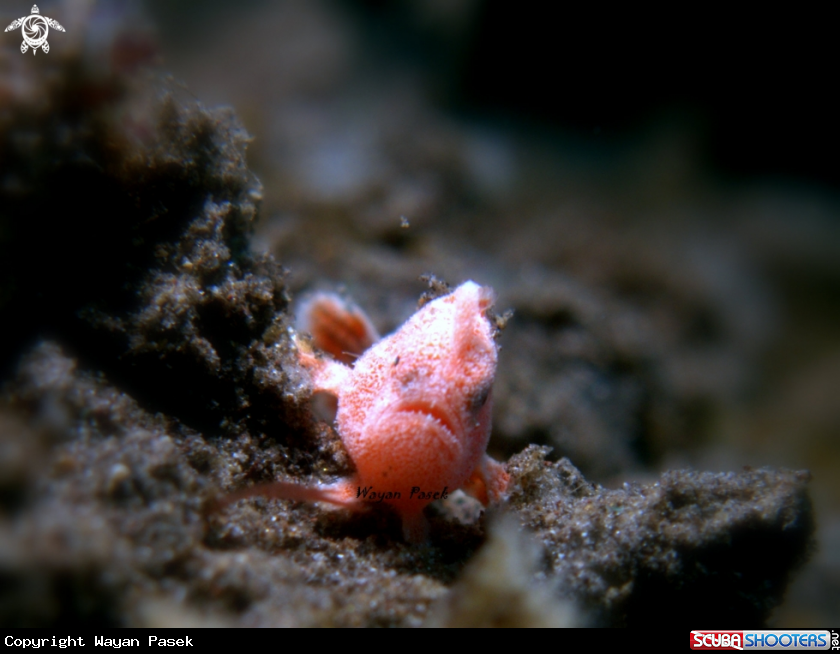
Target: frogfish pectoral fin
{"type": "Point", "coordinates": [488, 482]}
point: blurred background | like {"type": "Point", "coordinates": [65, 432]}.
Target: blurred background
{"type": "Point", "coordinates": [655, 196]}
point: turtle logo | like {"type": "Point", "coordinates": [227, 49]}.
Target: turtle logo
{"type": "Point", "coordinates": [35, 28]}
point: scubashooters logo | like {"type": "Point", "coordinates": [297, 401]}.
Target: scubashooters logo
{"type": "Point", "coordinates": [781, 639]}
{"type": "Point", "coordinates": [35, 28]}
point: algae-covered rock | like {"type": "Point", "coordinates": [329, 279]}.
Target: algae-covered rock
{"type": "Point", "coordinates": [691, 547]}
